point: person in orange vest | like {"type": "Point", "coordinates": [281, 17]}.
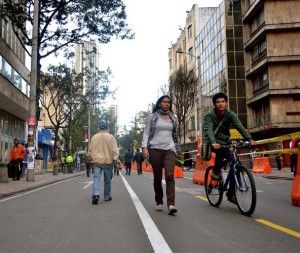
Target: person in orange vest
{"type": "Point", "coordinates": [17, 154]}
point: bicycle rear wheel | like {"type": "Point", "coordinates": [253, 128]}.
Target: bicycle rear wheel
{"type": "Point", "coordinates": [213, 188]}
{"type": "Point", "coordinates": [245, 190]}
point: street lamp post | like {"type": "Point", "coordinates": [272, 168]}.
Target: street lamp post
{"type": "Point", "coordinates": [200, 125]}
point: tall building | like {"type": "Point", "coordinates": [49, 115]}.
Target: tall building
{"type": "Point", "coordinates": [272, 66]}
{"type": "Point", "coordinates": [14, 90]}
{"type": "Point", "coordinates": [220, 47]}
{"type": "Point", "coordinates": [114, 111]}
{"type": "Point", "coordinates": [87, 61]}
{"type": "Point", "coordinates": [195, 21]}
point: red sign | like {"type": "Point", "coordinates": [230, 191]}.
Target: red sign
{"type": "Point", "coordinates": [31, 121]}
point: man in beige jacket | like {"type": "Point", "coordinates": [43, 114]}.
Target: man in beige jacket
{"type": "Point", "coordinates": [103, 152]}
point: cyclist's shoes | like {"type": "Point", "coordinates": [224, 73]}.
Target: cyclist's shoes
{"type": "Point", "coordinates": [215, 176]}
{"type": "Point", "coordinates": [231, 197]}
{"type": "Point", "coordinates": [95, 199]}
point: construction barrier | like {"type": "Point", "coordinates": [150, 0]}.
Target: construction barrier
{"type": "Point", "coordinates": [146, 167]}
{"type": "Point", "coordinates": [261, 165]}
{"type": "Point", "coordinates": [200, 168]}
{"type": "Point", "coordinates": [178, 172]}
{"type": "Point", "coordinates": [295, 192]}
{"type": "Point", "coordinates": [134, 166]}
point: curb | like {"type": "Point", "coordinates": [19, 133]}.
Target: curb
{"type": "Point", "coordinates": [29, 188]}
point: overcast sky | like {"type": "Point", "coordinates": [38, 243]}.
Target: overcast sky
{"type": "Point", "coordinates": [140, 66]}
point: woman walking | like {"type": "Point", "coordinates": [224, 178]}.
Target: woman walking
{"type": "Point", "coordinates": [161, 147]}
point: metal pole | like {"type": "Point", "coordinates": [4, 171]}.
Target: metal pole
{"type": "Point", "coordinates": [32, 121]}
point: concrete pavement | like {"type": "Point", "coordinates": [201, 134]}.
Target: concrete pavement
{"type": "Point", "coordinates": [15, 187]}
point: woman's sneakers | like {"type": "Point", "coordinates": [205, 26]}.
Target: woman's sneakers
{"type": "Point", "coordinates": [172, 209]}
{"type": "Point", "coordinates": [95, 199]}
{"type": "Point", "coordinates": [159, 207]}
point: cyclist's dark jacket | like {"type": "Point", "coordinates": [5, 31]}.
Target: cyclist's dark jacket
{"type": "Point", "coordinates": [211, 121]}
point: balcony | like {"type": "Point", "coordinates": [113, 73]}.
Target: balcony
{"type": "Point", "coordinates": [261, 90]}
{"type": "Point", "coordinates": [264, 120]}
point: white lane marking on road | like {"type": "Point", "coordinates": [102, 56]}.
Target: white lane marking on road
{"type": "Point", "coordinates": [87, 184]}
{"type": "Point", "coordinates": [188, 177]}
{"type": "Point", "coordinates": [157, 240]}
{"type": "Point", "coordinates": [35, 190]}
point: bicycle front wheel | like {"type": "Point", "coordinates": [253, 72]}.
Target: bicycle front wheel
{"type": "Point", "coordinates": [245, 190]}
{"type": "Point", "coordinates": [213, 188]}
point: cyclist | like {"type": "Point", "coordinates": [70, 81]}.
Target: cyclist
{"type": "Point", "coordinates": [220, 118]}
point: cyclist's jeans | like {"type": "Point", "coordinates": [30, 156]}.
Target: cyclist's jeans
{"type": "Point", "coordinates": [221, 154]}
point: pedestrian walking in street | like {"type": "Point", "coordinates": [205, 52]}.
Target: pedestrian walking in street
{"type": "Point", "coordinates": [161, 147]}
{"type": "Point", "coordinates": [251, 157]}
{"type": "Point", "coordinates": [78, 164]}
{"type": "Point", "coordinates": [17, 154]}
{"type": "Point", "coordinates": [216, 125]}
{"type": "Point", "coordinates": [62, 163]}
{"type": "Point", "coordinates": [278, 159]}
{"type": "Point", "coordinates": [103, 151]}
{"type": "Point", "coordinates": [24, 161]}
{"type": "Point", "coordinates": [69, 161]}
{"type": "Point", "coordinates": [294, 156]}
{"type": "Point", "coordinates": [138, 158]}
{"type": "Point", "coordinates": [128, 159]}
{"type": "Point", "coordinates": [88, 165]}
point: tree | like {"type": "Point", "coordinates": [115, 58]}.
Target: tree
{"type": "Point", "coordinates": [132, 138]}
{"type": "Point", "coordinates": [63, 99]}
{"type": "Point", "coordinates": [64, 23]}
{"type": "Point", "coordinates": [183, 92]}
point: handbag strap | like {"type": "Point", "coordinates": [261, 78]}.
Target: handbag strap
{"type": "Point", "coordinates": [217, 129]}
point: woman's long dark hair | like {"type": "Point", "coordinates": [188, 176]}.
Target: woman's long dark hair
{"type": "Point", "coordinates": [157, 105]}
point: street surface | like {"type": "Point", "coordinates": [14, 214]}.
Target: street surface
{"type": "Point", "coordinates": [61, 218]}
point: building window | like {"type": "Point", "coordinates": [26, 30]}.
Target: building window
{"type": "Point", "coordinates": [259, 50]}
{"type": "Point", "coordinates": [170, 64]}
{"type": "Point", "coordinates": [192, 125]}
{"type": "Point", "coordinates": [7, 71]}
{"type": "Point", "coordinates": [190, 32]}
{"type": "Point", "coordinates": [261, 80]}
{"type": "Point", "coordinates": [258, 21]}
{"type": "Point", "coordinates": [191, 54]}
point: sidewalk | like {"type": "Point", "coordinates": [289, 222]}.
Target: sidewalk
{"type": "Point", "coordinates": [15, 187]}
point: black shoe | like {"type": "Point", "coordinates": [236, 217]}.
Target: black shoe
{"type": "Point", "coordinates": [108, 199]}
{"type": "Point", "coordinates": [95, 199]}
{"type": "Point", "coordinates": [231, 197]}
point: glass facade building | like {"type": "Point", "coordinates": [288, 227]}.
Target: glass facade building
{"type": "Point", "coordinates": [220, 47]}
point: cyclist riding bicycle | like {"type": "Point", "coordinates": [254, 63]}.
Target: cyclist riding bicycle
{"type": "Point", "coordinates": [220, 118]}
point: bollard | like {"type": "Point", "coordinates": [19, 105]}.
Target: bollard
{"type": "Point", "coordinates": [3, 173]}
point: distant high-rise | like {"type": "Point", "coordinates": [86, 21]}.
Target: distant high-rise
{"type": "Point", "coordinates": [87, 62]}
{"type": "Point", "coordinates": [114, 112]}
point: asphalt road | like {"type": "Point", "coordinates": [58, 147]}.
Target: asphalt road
{"type": "Point", "coordinates": [61, 218]}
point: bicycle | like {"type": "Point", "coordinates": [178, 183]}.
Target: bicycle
{"type": "Point", "coordinates": [244, 188]}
